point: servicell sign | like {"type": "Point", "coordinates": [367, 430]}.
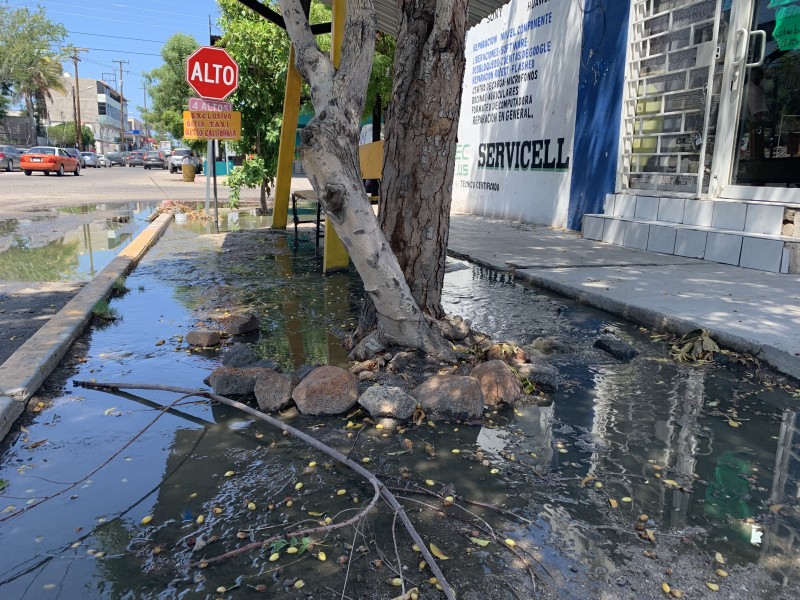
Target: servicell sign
{"type": "Point", "coordinates": [526, 155]}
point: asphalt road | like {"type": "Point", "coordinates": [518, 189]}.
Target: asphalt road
{"type": "Point", "coordinates": [20, 194]}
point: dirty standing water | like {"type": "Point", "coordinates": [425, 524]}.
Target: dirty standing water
{"type": "Point", "coordinates": [630, 475]}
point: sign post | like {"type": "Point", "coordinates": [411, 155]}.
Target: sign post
{"type": "Point", "coordinates": [214, 75]}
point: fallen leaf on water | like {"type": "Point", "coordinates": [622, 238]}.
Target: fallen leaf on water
{"type": "Point", "coordinates": [430, 482]}
{"type": "Point", "coordinates": [672, 483]}
{"type": "Point", "coordinates": [312, 464]}
{"type": "Point", "coordinates": [650, 535]}
{"type": "Point", "coordinates": [676, 593]}
{"type": "Point", "coordinates": [510, 543]}
{"type": "Point", "coordinates": [322, 556]}
{"type": "Point", "coordinates": [643, 518]}
{"type": "Point", "coordinates": [438, 553]}
{"type": "Point", "coordinates": [719, 558]}
{"type": "Point", "coordinates": [298, 584]}
{"type": "Point", "coordinates": [200, 519]}
{"type": "Point", "coordinates": [733, 423]}
{"type": "Point", "coordinates": [109, 411]}
{"type": "Point", "coordinates": [315, 514]}
{"type": "Point", "coordinates": [35, 444]}
{"type": "Point", "coordinates": [585, 480]}
{"type": "Point", "coordinates": [298, 486]}
{"type": "Point", "coordinates": [626, 499]}
{"type": "Point", "coordinates": [721, 573]}
{"type": "Point", "coordinates": [665, 588]}
{"type": "Point", "coordinates": [147, 519]}
{"type": "Point", "coordinates": [613, 503]}
{"type": "Point", "coordinates": [230, 473]}
{"type": "Point", "coordinates": [274, 556]}
{"type": "Point", "coordinates": [712, 586]}
{"type": "Point", "coordinates": [409, 445]}
{"type": "Point", "coordinates": [479, 541]}
{"type": "Point", "coordinates": [396, 582]}
{"type": "Point", "coordinates": [415, 548]}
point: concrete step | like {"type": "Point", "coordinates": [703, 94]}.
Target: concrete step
{"type": "Point", "coordinates": [744, 233]}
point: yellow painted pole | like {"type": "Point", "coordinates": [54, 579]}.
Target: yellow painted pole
{"type": "Point", "coordinates": [334, 256]}
{"type": "Point", "coordinates": [291, 112]}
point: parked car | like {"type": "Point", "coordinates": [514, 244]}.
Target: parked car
{"type": "Point", "coordinates": [74, 153]}
{"type": "Point", "coordinates": [90, 160]}
{"type": "Point", "coordinates": [103, 160]}
{"type": "Point", "coordinates": [155, 160]}
{"type": "Point", "coordinates": [116, 158]}
{"type": "Point", "coordinates": [135, 159]}
{"type": "Point", "coordinates": [176, 160]}
{"type": "Point", "coordinates": [9, 157]}
{"type": "Point", "coordinates": [50, 159]}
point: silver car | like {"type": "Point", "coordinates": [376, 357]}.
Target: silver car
{"type": "Point", "coordinates": [90, 160]}
{"type": "Point", "coordinates": [9, 158]}
{"type": "Point", "coordinates": [103, 161]}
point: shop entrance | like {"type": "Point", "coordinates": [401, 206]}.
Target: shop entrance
{"type": "Point", "coordinates": [757, 156]}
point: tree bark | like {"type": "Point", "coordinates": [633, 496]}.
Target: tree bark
{"type": "Point", "coordinates": [330, 154]}
{"type": "Point", "coordinates": [419, 151]}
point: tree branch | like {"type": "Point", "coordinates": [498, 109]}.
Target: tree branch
{"type": "Point", "coordinates": [337, 456]}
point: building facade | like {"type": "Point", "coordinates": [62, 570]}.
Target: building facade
{"type": "Point", "coordinates": [666, 125]}
{"type": "Point", "coordinates": [102, 109]}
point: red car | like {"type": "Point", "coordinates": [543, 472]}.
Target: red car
{"type": "Point", "coordinates": [49, 159]}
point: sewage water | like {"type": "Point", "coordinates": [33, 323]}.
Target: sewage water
{"type": "Point", "coordinates": [40, 249]}
{"type": "Point", "coordinates": [654, 436]}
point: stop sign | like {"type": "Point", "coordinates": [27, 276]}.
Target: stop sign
{"type": "Point", "coordinates": [212, 73]}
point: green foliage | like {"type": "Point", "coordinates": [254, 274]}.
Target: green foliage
{"type": "Point", "coordinates": [29, 67]}
{"type": "Point", "coordinates": [168, 88]}
{"type": "Point", "coordinates": [118, 288]}
{"type": "Point", "coordinates": [381, 77]}
{"type": "Point", "coordinates": [64, 135]}
{"type": "Point", "coordinates": [262, 51]}
{"type": "Point", "coordinates": [102, 310]}
{"type": "Point", "coordinates": [250, 175]}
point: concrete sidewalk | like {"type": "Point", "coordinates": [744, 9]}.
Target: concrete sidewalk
{"type": "Point", "coordinates": [744, 310]}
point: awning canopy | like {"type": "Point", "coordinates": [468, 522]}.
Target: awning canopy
{"type": "Point", "coordinates": [389, 13]}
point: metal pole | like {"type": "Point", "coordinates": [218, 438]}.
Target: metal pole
{"type": "Point", "coordinates": [77, 87]}
{"type": "Point", "coordinates": [121, 107]}
{"type": "Point", "coordinates": [216, 204]}
{"type": "Point", "coordinates": [208, 179]}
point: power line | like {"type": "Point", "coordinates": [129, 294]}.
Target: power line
{"type": "Point", "coordinates": [116, 37]}
{"type": "Point", "coordinates": [119, 50]}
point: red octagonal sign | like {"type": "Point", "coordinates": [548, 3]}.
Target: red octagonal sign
{"type": "Point", "coordinates": [212, 73]}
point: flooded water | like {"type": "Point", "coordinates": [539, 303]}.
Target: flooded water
{"type": "Point", "coordinates": [709, 454]}
{"type": "Point", "coordinates": [38, 249]}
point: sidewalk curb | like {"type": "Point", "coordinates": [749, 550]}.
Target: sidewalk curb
{"type": "Point", "coordinates": [25, 370]}
{"type": "Point", "coordinates": [778, 359]}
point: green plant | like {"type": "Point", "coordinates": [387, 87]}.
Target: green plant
{"type": "Point", "coordinates": [118, 288]}
{"type": "Point", "coordinates": [102, 310]}
{"type": "Point", "coordinates": [250, 175]}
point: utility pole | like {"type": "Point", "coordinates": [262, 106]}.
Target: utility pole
{"type": "Point", "coordinates": [146, 127]}
{"type": "Point", "coordinates": [77, 92]}
{"type": "Point", "coordinates": [121, 106]}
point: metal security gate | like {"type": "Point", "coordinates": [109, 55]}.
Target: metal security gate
{"type": "Point", "coordinates": [669, 118]}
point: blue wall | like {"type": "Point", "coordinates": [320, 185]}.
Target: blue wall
{"type": "Point", "coordinates": [597, 122]}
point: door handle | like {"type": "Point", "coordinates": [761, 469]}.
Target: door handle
{"type": "Point", "coordinates": [760, 33]}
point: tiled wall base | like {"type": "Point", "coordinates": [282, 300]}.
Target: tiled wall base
{"type": "Point", "coordinates": [743, 233]}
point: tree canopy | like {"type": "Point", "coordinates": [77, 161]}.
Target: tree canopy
{"type": "Point", "coordinates": [63, 134]}
{"type": "Point", "coordinates": [30, 67]}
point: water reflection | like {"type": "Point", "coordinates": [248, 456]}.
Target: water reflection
{"type": "Point", "coordinates": [29, 254]}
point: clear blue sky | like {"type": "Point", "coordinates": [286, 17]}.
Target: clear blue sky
{"type": "Point", "coordinates": [132, 30]}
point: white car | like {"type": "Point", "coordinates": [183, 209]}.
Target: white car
{"type": "Point", "coordinates": [103, 161]}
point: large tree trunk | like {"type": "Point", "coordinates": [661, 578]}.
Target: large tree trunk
{"type": "Point", "coordinates": [330, 155]}
{"type": "Point", "coordinates": [419, 152]}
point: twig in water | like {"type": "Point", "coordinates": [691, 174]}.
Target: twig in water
{"type": "Point", "coordinates": [338, 456]}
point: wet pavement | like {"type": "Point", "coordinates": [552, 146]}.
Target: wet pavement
{"type": "Point", "coordinates": [707, 453]}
